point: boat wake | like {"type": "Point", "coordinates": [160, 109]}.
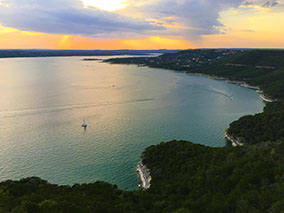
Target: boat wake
{"type": "Point", "coordinates": [220, 92]}
{"type": "Point", "coordinates": [212, 89]}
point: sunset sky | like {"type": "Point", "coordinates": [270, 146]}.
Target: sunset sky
{"type": "Point", "coordinates": [141, 24]}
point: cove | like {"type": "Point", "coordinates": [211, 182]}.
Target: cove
{"type": "Point", "coordinates": [127, 108]}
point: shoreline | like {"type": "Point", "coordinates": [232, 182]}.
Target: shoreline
{"type": "Point", "coordinates": [144, 176]}
{"type": "Point", "coordinates": [240, 83]}
{"type": "Point", "coordinates": [234, 142]}
{"type": "Point", "coordinates": [266, 99]}
{"type": "Point", "coordinates": [258, 90]}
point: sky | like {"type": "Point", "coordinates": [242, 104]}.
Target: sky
{"type": "Point", "coordinates": [141, 24]}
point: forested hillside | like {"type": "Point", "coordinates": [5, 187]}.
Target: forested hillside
{"type": "Point", "coordinates": [204, 179]}
{"type": "Point", "coordinates": [264, 69]}
{"type": "Point", "coordinates": [266, 126]}
{"type": "Point", "coordinates": [185, 178]}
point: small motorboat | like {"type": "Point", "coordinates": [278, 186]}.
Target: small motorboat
{"type": "Point", "coordinates": [84, 125]}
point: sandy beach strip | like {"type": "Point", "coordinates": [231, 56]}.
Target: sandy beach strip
{"type": "Point", "coordinates": [233, 141]}
{"type": "Point", "coordinates": [144, 176]}
{"type": "Point", "coordinates": [266, 99]}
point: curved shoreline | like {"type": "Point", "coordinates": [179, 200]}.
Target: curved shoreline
{"type": "Point", "coordinates": [214, 77]}
{"type": "Point", "coordinates": [144, 176]}
{"type": "Point", "coordinates": [266, 99]}
{"type": "Point", "coordinates": [240, 83]}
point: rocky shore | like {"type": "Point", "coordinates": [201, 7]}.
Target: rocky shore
{"type": "Point", "coordinates": [144, 176]}
{"type": "Point", "coordinates": [233, 140]}
{"type": "Point", "coordinates": [266, 99]}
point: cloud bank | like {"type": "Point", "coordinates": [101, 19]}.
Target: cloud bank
{"type": "Point", "coordinates": [187, 19]}
{"type": "Point", "coordinates": [199, 17]}
{"type": "Point", "coordinates": [68, 17]}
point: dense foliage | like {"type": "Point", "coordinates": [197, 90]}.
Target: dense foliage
{"type": "Point", "coordinates": [204, 179]}
{"type": "Point", "coordinates": [185, 178]}
{"type": "Point", "coordinates": [264, 69]}
{"type": "Point", "coordinates": [36, 195]}
{"type": "Point", "coordinates": [266, 126]}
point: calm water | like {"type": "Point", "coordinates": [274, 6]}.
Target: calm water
{"type": "Point", "coordinates": [44, 101]}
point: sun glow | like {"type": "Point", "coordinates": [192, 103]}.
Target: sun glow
{"type": "Point", "coordinates": [108, 5]}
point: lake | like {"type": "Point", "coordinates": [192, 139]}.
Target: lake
{"type": "Point", "coordinates": [127, 108]}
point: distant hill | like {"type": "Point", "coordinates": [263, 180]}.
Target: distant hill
{"type": "Point", "coordinates": [57, 53]}
{"type": "Point", "coordinates": [180, 61]}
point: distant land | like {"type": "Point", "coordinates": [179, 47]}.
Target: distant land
{"type": "Point", "coordinates": [26, 53]}
{"type": "Point", "coordinates": [21, 53]}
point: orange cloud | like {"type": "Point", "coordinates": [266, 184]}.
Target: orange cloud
{"type": "Point", "coordinates": [156, 42]}
{"type": "Point", "coordinates": [151, 42]}
{"type": "Point", "coordinates": [11, 38]}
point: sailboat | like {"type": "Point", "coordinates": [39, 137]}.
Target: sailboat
{"type": "Point", "coordinates": [84, 124]}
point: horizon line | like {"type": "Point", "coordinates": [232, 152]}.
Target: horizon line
{"type": "Point", "coordinates": [160, 49]}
